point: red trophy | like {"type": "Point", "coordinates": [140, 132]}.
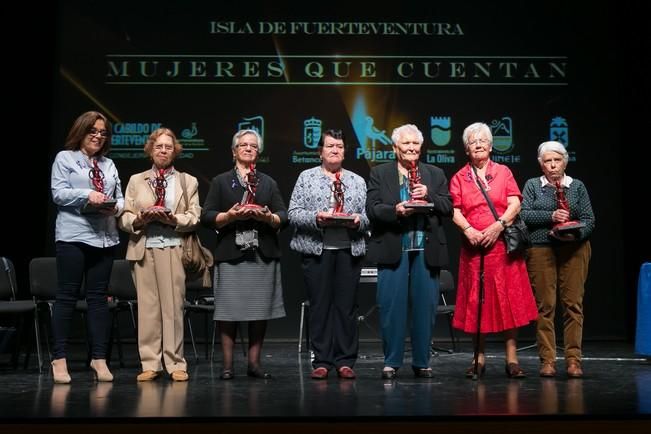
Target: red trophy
{"type": "Point", "coordinates": [414, 178]}
{"type": "Point", "coordinates": [159, 183]}
{"type": "Point", "coordinates": [248, 200]}
{"type": "Point", "coordinates": [338, 215]}
{"type": "Point", "coordinates": [562, 203]}
{"type": "Point", "coordinates": [97, 181]}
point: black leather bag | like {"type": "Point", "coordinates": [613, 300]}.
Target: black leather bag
{"type": "Point", "coordinates": [516, 236]}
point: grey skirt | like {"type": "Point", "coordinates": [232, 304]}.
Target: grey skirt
{"type": "Point", "coordinates": [249, 290]}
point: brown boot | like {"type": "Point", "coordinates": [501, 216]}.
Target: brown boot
{"type": "Point", "coordinates": [548, 369]}
{"type": "Point", "coordinates": [574, 369]}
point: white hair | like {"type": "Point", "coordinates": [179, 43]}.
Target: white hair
{"type": "Point", "coordinates": [474, 129]}
{"type": "Point", "coordinates": [407, 128]}
{"type": "Point", "coordinates": [241, 133]}
{"type": "Point", "coordinates": [553, 146]}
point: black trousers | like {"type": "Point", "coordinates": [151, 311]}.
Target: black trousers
{"type": "Point", "coordinates": [331, 281]}
{"type": "Point", "coordinates": [74, 262]}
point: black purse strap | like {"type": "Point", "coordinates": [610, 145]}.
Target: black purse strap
{"type": "Point", "coordinates": [481, 187]}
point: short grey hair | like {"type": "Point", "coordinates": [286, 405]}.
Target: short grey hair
{"type": "Point", "coordinates": [475, 128]}
{"type": "Point", "coordinates": [553, 146]}
{"type": "Point", "coordinates": [406, 128]}
{"type": "Point", "coordinates": [241, 133]}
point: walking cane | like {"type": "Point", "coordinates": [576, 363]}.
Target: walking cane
{"type": "Point", "coordinates": [480, 301]}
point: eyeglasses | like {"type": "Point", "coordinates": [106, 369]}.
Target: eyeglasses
{"type": "Point", "coordinates": [480, 141]}
{"type": "Point", "coordinates": [250, 145]}
{"type": "Point", "coordinates": [96, 132]}
{"type": "Point", "coordinates": [161, 147]}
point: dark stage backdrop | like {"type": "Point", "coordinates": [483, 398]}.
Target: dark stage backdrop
{"type": "Point", "coordinates": [533, 71]}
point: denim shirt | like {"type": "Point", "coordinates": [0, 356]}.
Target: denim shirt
{"type": "Point", "coordinates": [70, 186]}
{"type": "Point", "coordinates": [414, 237]}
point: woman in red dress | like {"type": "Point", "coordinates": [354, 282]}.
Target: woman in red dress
{"type": "Point", "coordinates": [508, 298]}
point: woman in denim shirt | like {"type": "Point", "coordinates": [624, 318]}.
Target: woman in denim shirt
{"type": "Point", "coordinates": [87, 192]}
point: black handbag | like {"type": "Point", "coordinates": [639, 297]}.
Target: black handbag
{"type": "Point", "coordinates": [516, 235]}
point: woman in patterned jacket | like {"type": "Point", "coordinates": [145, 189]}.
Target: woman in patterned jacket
{"type": "Point", "coordinates": [327, 213]}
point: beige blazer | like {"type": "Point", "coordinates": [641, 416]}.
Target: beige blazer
{"type": "Point", "coordinates": [140, 194]}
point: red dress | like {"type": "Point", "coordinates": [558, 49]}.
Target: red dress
{"type": "Point", "coordinates": [508, 298]}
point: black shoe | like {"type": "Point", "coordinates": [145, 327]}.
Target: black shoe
{"type": "Point", "coordinates": [423, 372]}
{"type": "Point", "coordinates": [389, 374]}
{"type": "Point", "coordinates": [481, 370]}
{"type": "Point", "coordinates": [513, 370]}
{"type": "Point", "coordinates": [227, 374]}
{"type": "Point", "coordinates": [258, 373]}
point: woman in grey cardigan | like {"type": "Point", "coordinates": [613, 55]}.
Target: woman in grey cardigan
{"type": "Point", "coordinates": [329, 220]}
{"type": "Point", "coordinates": [558, 212]}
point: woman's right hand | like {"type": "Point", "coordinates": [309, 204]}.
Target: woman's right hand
{"type": "Point", "coordinates": [560, 216]}
{"type": "Point", "coordinates": [474, 236]}
{"type": "Point", "coordinates": [323, 219]}
{"type": "Point", "coordinates": [238, 212]}
{"type": "Point", "coordinates": [96, 198]}
{"type": "Point", "coordinates": [401, 211]}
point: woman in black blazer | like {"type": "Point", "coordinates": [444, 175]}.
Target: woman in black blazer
{"type": "Point", "coordinates": [247, 210]}
{"type": "Point", "coordinates": [409, 246]}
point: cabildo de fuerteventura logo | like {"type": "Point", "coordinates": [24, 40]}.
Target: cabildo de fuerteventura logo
{"type": "Point", "coordinates": [129, 138]}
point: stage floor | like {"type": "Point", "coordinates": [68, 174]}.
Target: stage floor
{"type": "Point", "coordinates": [616, 387]}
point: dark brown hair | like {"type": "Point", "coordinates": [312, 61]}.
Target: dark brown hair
{"type": "Point", "coordinates": [335, 134]}
{"type": "Point", "coordinates": [81, 127]}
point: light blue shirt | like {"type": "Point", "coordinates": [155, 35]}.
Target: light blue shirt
{"type": "Point", "coordinates": [71, 185]}
{"type": "Point", "coordinates": [414, 238]}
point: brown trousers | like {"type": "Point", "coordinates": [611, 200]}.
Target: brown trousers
{"type": "Point", "coordinates": [160, 283]}
{"type": "Point", "coordinates": [561, 269]}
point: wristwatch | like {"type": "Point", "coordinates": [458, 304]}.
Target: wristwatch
{"type": "Point", "coordinates": [502, 222]}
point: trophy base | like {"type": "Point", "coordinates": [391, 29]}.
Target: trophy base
{"type": "Point", "coordinates": [158, 209]}
{"type": "Point", "coordinates": [341, 217]}
{"type": "Point", "coordinates": [251, 206]}
{"type": "Point", "coordinates": [95, 209]}
{"type": "Point", "coordinates": [568, 227]}
{"type": "Point", "coordinates": [419, 205]}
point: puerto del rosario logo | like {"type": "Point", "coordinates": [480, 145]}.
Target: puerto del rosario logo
{"type": "Point", "coordinates": [255, 123]}
{"type": "Point", "coordinates": [374, 143]}
{"type": "Point", "coordinates": [312, 128]}
{"type": "Point", "coordinates": [440, 133]}
{"type": "Point", "coordinates": [502, 130]}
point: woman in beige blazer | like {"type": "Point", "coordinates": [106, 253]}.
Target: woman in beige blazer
{"type": "Point", "coordinates": [155, 216]}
